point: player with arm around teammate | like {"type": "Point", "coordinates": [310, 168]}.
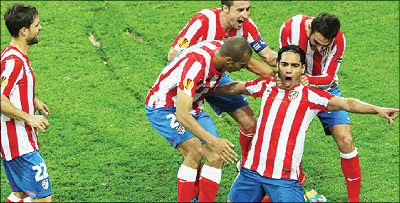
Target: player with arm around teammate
{"type": "Point", "coordinates": [272, 165]}
{"type": "Point", "coordinates": [174, 107]}
{"type": "Point", "coordinates": [324, 44]}
{"type": "Point", "coordinates": [25, 169]}
{"type": "Point", "coordinates": [219, 24]}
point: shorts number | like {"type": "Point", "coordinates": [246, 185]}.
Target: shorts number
{"type": "Point", "coordinates": [39, 176]}
{"type": "Point", "coordinates": [173, 123]}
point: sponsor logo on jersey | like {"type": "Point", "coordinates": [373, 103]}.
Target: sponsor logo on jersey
{"type": "Point", "coordinates": [293, 95]}
{"type": "Point", "coordinates": [183, 43]}
{"type": "Point", "coordinates": [339, 60]}
{"type": "Point", "coordinates": [188, 83]}
{"type": "Point", "coordinates": [45, 184]}
{"type": "Point", "coordinates": [4, 81]}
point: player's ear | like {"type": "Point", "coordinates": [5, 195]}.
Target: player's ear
{"type": "Point", "coordinates": [228, 60]}
{"type": "Point", "coordinates": [225, 8]}
{"type": "Point", "coordinates": [22, 32]}
{"type": "Point", "coordinates": [303, 69]}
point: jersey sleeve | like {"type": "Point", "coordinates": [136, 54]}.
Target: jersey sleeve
{"type": "Point", "coordinates": [191, 33]}
{"type": "Point", "coordinates": [253, 36]}
{"type": "Point", "coordinates": [333, 63]}
{"type": "Point", "coordinates": [192, 74]}
{"type": "Point", "coordinates": [11, 73]}
{"type": "Point", "coordinates": [318, 99]}
{"type": "Point", "coordinates": [257, 87]}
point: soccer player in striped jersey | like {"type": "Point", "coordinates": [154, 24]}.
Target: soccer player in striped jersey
{"type": "Point", "coordinates": [24, 167]}
{"type": "Point", "coordinates": [174, 107]}
{"type": "Point", "coordinates": [219, 24]}
{"type": "Point", "coordinates": [324, 44]}
{"type": "Point", "coordinates": [272, 165]}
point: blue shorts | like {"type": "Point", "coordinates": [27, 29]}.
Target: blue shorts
{"type": "Point", "coordinates": [250, 186]}
{"type": "Point", "coordinates": [226, 103]}
{"type": "Point", "coordinates": [164, 121]}
{"type": "Point", "coordinates": [329, 119]}
{"type": "Point", "coordinates": [28, 173]}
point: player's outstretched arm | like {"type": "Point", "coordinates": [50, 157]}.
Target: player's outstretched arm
{"type": "Point", "coordinates": [230, 89]}
{"type": "Point", "coordinates": [222, 146]}
{"type": "Point", "coordinates": [8, 109]}
{"type": "Point", "coordinates": [357, 106]}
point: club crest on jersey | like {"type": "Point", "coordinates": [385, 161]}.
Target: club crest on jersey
{"type": "Point", "coordinates": [45, 184]}
{"type": "Point", "coordinates": [188, 83]}
{"type": "Point", "coordinates": [293, 95]}
{"type": "Point", "coordinates": [4, 81]}
{"type": "Point", "coordinates": [183, 43]}
{"type": "Point", "coordinates": [180, 129]}
{"type": "Point", "coordinates": [325, 51]}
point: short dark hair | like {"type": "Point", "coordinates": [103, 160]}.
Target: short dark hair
{"type": "Point", "coordinates": [227, 3]}
{"type": "Point", "coordinates": [327, 24]}
{"type": "Point", "coordinates": [295, 49]}
{"type": "Point", "coordinates": [235, 47]}
{"type": "Point", "coordinates": [18, 16]}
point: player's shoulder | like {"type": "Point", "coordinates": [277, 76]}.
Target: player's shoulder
{"type": "Point", "coordinates": [261, 80]}
{"type": "Point", "coordinates": [12, 54]}
{"type": "Point", "coordinates": [205, 13]}
{"type": "Point", "coordinates": [320, 92]}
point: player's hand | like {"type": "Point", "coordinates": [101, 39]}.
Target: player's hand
{"type": "Point", "coordinates": [278, 80]}
{"type": "Point", "coordinates": [389, 113]}
{"type": "Point", "coordinates": [38, 121]}
{"type": "Point", "coordinates": [223, 148]}
{"type": "Point", "coordinates": [42, 107]}
{"type": "Point", "coordinates": [304, 80]}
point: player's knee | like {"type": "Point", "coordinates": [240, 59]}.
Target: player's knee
{"type": "Point", "coordinates": [248, 123]}
{"type": "Point", "coordinates": [214, 159]}
{"type": "Point", "coordinates": [344, 142]}
{"type": "Point", "coordinates": [195, 154]}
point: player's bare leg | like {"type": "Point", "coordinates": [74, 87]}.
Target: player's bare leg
{"type": "Point", "coordinates": [349, 160]}
{"type": "Point", "coordinates": [247, 123]}
{"type": "Point", "coordinates": [44, 199]}
{"type": "Point", "coordinates": [210, 174]}
{"type": "Point", "coordinates": [193, 152]}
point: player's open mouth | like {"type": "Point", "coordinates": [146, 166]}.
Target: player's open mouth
{"type": "Point", "coordinates": [288, 81]}
{"type": "Point", "coordinates": [241, 21]}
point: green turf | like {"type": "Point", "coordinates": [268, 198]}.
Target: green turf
{"type": "Point", "coordinates": [100, 145]}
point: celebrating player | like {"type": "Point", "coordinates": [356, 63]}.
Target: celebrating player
{"type": "Point", "coordinates": [174, 107]}
{"type": "Point", "coordinates": [219, 24]}
{"type": "Point", "coordinates": [24, 167]}
{"type": "Point", "coordinates": [272, 165]}
{"type": "Point", "coordinates": [324, 44]}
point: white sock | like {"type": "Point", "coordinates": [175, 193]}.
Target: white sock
{"type": "Point", "coordinates": [13, 198]}
{"type": "Point", "coordinates": [27, 199]}
{"type": "Point", "coordinates": [211, 173]}
{"type": "Point", "coordinates": [187, 173]}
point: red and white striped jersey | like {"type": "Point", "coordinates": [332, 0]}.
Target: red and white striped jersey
{"type": "Point", "coordinates": [278, 143]}
{"type": "Point", "coordinates": [193, 72]}
{"type": "Point", "coordinates": [321, 69]}
{"type": "Point", "coordinates": [18, 84]}
{"type": "Point", "coordinates": [206, 25]}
